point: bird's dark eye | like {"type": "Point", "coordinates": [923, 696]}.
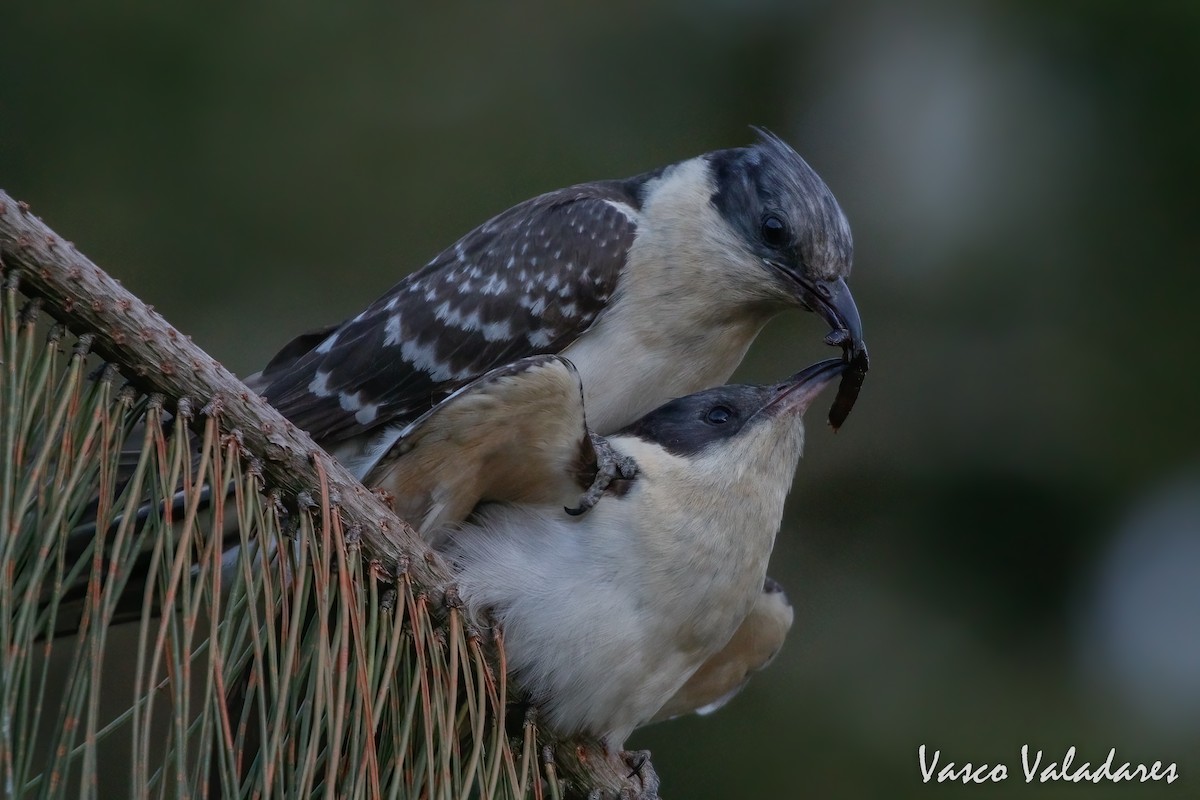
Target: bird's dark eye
{"type": "Point", "coordinates": [774, 230]}
{"type": "Point", "coordinates": [718, 415]}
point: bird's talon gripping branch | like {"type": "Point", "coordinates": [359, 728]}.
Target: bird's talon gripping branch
{"type": "Point", "coordinates": [610, 466]}
{"type": "Point", "coordinates": [638, 762]}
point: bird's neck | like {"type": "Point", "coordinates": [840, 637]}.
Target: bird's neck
{"type": "Point", "coordinates": [684, 314]}
{"type": "Point", "coordinates": [627, 372]}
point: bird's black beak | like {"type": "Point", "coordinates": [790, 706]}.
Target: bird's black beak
{"type": "Point", "coordinates": [833, 301]}
{"type": "Point", "coordinates": [797, 393]}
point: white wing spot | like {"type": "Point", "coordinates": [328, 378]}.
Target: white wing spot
{"type": "Point", "coordinates": [367, 414]}
{"type": "Point", "coordinates": [452, 317]}
{"type": "Point", "coordinates": [424, 358]}
{"type": "Point", "coordinates": [494, 285]}
{"type": "Point", "coordinates": [320, 385]}
{"type": "Point", "coordinates": [327, 345]}
{"type": "Point", "coordinates": [391, 331]}
{"type": "Point", "coordinates": [496, 331]}
{"type": "Point", "coordinates": [627, 211]}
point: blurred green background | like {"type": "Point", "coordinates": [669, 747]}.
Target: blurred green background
{"type": "Point", "coordinates": [1001, 547]}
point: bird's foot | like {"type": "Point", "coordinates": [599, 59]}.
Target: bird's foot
{"type": "Point", "coordinates": [610, 466]}
{"type": "Point", "coordinates": [641, 775]}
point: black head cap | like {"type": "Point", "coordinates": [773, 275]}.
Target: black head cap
{"type": "Point", "coordinates": [782, 208]}
{"type": "Point", "coordinates": [687, 425]}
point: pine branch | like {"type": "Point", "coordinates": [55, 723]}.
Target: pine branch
{"type": "Point", "coordinates": [157, 358]}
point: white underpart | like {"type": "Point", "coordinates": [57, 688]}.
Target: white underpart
{"type": "Point", "coordinates": [607, 615]}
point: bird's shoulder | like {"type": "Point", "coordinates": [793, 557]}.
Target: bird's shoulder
{"type": "Point", "coordinates": [529, 281]}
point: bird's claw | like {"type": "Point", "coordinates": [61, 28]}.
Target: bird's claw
{"type": "Point", "coordinates": [642, 770]}
{"type": "Point", "coordinates": [610, 466]}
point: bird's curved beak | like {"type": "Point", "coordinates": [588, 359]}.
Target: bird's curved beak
{"type": "Point", "coordinates": [833, 301]}
{"type": "Point", "coordinates": [797, 393]}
